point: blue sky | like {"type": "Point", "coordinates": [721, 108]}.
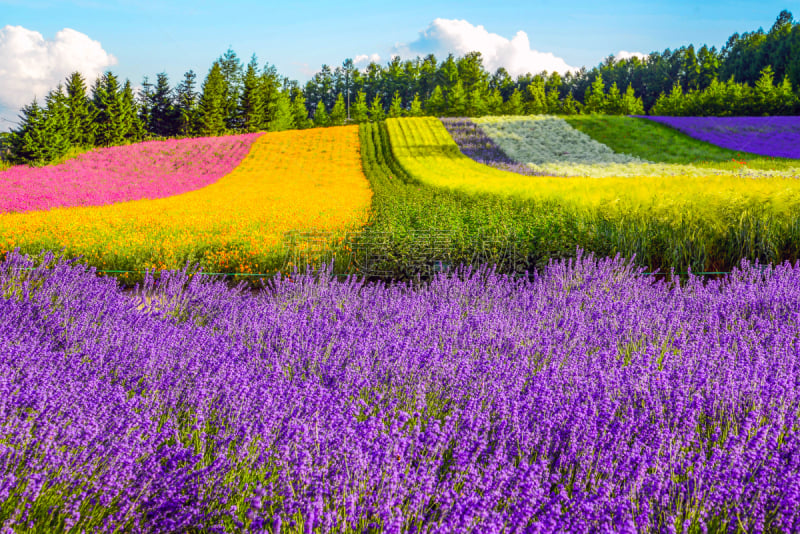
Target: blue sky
{"type": "Point", "coordinates": [143, 37]}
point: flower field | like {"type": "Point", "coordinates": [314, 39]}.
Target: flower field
{"type": "Point", "coordinates": [587, 399]}
{"type": "Point", "coordinates": [154, 169]}
{"type": "Point", "coordinates": [289, 180]}
{"type": "Point", "coordinates": [768, 136]}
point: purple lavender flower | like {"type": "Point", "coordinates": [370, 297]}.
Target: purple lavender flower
{"type": "Point", "coordinates": [777, 137]}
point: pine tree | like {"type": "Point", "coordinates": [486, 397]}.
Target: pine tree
{"type": "Point", "coordinates": [765, 93]}
{"type": "Point", "coordinates": [553, 102]}
{"type": "Point", "coordinates": [477, 106]}
{"type": "Point", "coordinates": [164, 118]}
{"type": "Point", "coordinates": [282, 117]}
{"type": "Point", "coordinates": [359, 111]}
{"type": "Point", "coordinates": [570, 106]}
{"type": "Point", "coordinates": [269, 86]}
{"type": "Point", "coordinates": [81, 126]}
{"type": "Point", "coordinates": [299, 110]}
{"type": "Point", "coordinates": [212, 107]}
{"type": "Point", "coordinates": [785, 99]}
{"type": "Point", "coordinates": [339, 112]}
{"type": "Point", "coordinates": [376, 109]}
{"type": "Point", "coordinates": [396, 107]}
{"type": "Point", "coordinates": [321, 115]}
{"type": "Point", "coordinates": [435, 105]}
{"type": "Point", "coordinates": [670, 105]}
{"type": "Point", "coordinates": [231, 71]}
{"type": "Point", "coordinates": [614, 101]}
{"type": "Point", "coordinates": [536, 102]}
{"type": "Point", "coordinates": [133, 129]}
{"type": "Point", "coordinates": [595, 99]}
{"type": "Point", "coordinates": [514, 104]}
{"type": "Point", "coordinates": [415, 109]}
{"type": "Point", "coordinates": [457, 100]}
{"type": "Point", "coordinates": [252, 112]}
{"type": "Point", "coordinates": [145, 96]}
{"type": "Point", "coordinates": [630, 104]}
{"type": "Point", "coordinates": [29, 142]}
{"type": "Point", "coordinates": [186, 104]}
{"type": "Point", "coordinates": [57, 124]}
{"type": "Point", "coordinates": [494, 103]}
{"type": "Point", "coordinates": [110, 119]}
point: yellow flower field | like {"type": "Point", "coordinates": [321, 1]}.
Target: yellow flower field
{"type": "Point", "coordinates": [293, 180]}
{"type": "Point", "coordinates": [427, 151]}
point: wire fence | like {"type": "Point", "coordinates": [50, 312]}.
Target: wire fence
{"type": "Point", "coordinates": [384, 255]}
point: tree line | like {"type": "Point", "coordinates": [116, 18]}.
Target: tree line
{"type": "Point", "coordinates": [757, 73]}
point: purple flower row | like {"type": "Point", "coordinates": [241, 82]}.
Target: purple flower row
{"type": "Point", "coordinates": [475, 144]}
{"type": "Point", "coordinates": [777, 137]}
{"type": "Point", "coordinates": [590, 398]}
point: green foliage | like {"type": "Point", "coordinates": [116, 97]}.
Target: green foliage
{"type": "Point", "coordinates": [535, 98]}
{"type": "Point", "coordinates": [436, 104]}
{"type": "Point", "coordinates": [595, 100]}
{"type": "Point", "coordinates": [359, 113]}
{"type": "Point", "coordinates": [338, 114]}
{"type": "Point", "coordinates": [252, 110]}
{"type": "Point", "coordinates": [81, 126]}
{"type": "Point", "coordinates": [415, 109]}
{"type": "Point", "coordinates": [163, 117]}
{"type": "Point", "coordinates": [186, 104]}
{"type": "Point", "coordinates": [112, 120]}
{"type": "Point", "coordinates": [376, 109]}
{"type": "Point", "coordinates": [299, 110]}
{"type": "Point", "coordinates": [321, 115]}
{"type": "Point", "coordinates": [457, 100]}
{"type": "Point", "coordinates": [514, 105]}
{"type": "Point", "coordinates": [396, 107]}
{"type": "Point", "coordinates": [630, 104]}
{"type": "Point", "coordinates": [211, 111]}
{"type": "Point", "coordinates": [282, 116]}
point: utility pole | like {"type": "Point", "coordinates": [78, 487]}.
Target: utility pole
{"type": "Point", "coordinates": [348, 66]}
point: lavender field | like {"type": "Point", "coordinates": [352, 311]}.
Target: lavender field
{"type": "Point", "coordinates": [588, 398]}
{"type": "Point", "coordinates": [774, 136]}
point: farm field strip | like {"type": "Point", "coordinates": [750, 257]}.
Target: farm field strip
{"type": "Point", "coordinates": [773, 136]}
{"type": "Point", "coordinates": [289, 181]}
{"type": "Point", "coordinates": [586, 398]}
{"type": "Point", "coordinates": [551, 146]}
{"type": "Point", "coordinates": [149, 170]}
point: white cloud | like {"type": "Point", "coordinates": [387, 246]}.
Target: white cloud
{"type": "Point", "coordinates": [363, 59]}
{"type": "Point", "coordinates": [444, 36]}
{"type": "Point", "coordinates": [622, 54]}
{"type": "Point", "coordinates": [31, 66]}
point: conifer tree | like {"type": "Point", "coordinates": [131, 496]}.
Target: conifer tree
{"type": "Point", "coordinates": [457, 100]}
{"type": "Point", "coordinates": [231, 71]}
{"type": "Point", "coordinates": [415, 109]}
{"type": "Point", "coordinates": [211, 111]}
{"type": "Point", "coordinates": [359, 110]}
{"type": "Point", "coordinates": [514, 104]}
{"type": "Point", "coordinates": [321, 115]}
{"type": "Point", "coordinates": [186, 104]}
{"type": "Point", "coordinates": [396, 107]}
{"type": "Point", "coordinates": [785, 100]}
{"type": "Point", "coordinates": [435, 105]}
{"type": "Point", "coordinates": [338, 114]}
{"type": "Point", "coordinates": [671, 104]}
{"type": "Point", "coordinates": [595, 99]}
{"type": "Point", "coordinates": [613, 101]}
{"type": "Point", "coordinates": [299, 110]}
{"type": "Point", "coordinates": [570, 106]}
{"type": "Point", "coordinates": [81, 126]}
{"type": "Point", "coordinates": [552, 102]}
{"type": "Point", "coordinates": [494, 102]}
{"type": "Point", "coordinates": [375, 111]}
{"type": "Point", "coordinates": [477, 105]}
{"type": "Point", "coordinates": [631, 105]}
{"type": "Point", "coordinates": [536, 100]}
{"type": "Point", "coordinates": [57, 124]}
{"type": "Point", "coordinates": [110, 119]}
{"type": "Point", "coordinates": [164, 120]}
{"type": "Point", "coordinates": [145, 95]}
{"type": "Point", "coordinates": [252, 113]}
{"type": "Point", "coordinates": [765, 93]}
{"type": "Point", "coordinates": [282, 116]}
{"type": "Point", "coordinates": [133, 129]}
{"type": "Point", "coordinates": [29, 142]}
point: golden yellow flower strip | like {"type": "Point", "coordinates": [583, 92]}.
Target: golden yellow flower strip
{"type": "Point", "coordinates": [294, 180]}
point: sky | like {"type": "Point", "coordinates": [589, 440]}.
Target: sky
{"type": "Point", "coordinates": [42, 41]}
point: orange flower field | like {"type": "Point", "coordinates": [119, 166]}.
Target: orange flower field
{"type": "Point", "coordinates": [292, 180]}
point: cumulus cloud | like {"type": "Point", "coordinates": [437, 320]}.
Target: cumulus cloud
{"type": "Point", "coordinates": [622, 54]}
{"type": "Point", "coordinates": [31, 66]}
{"type": "Point", "coordinates": [363, 59]}
{"type": "Point", "coordinates": [444, 36]}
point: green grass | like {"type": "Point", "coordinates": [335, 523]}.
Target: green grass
{"type": "Point", "coordinates": [662, 144]}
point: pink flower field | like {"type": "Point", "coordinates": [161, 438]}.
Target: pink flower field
{"type": "Point", "coordinates": [154, 169]}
